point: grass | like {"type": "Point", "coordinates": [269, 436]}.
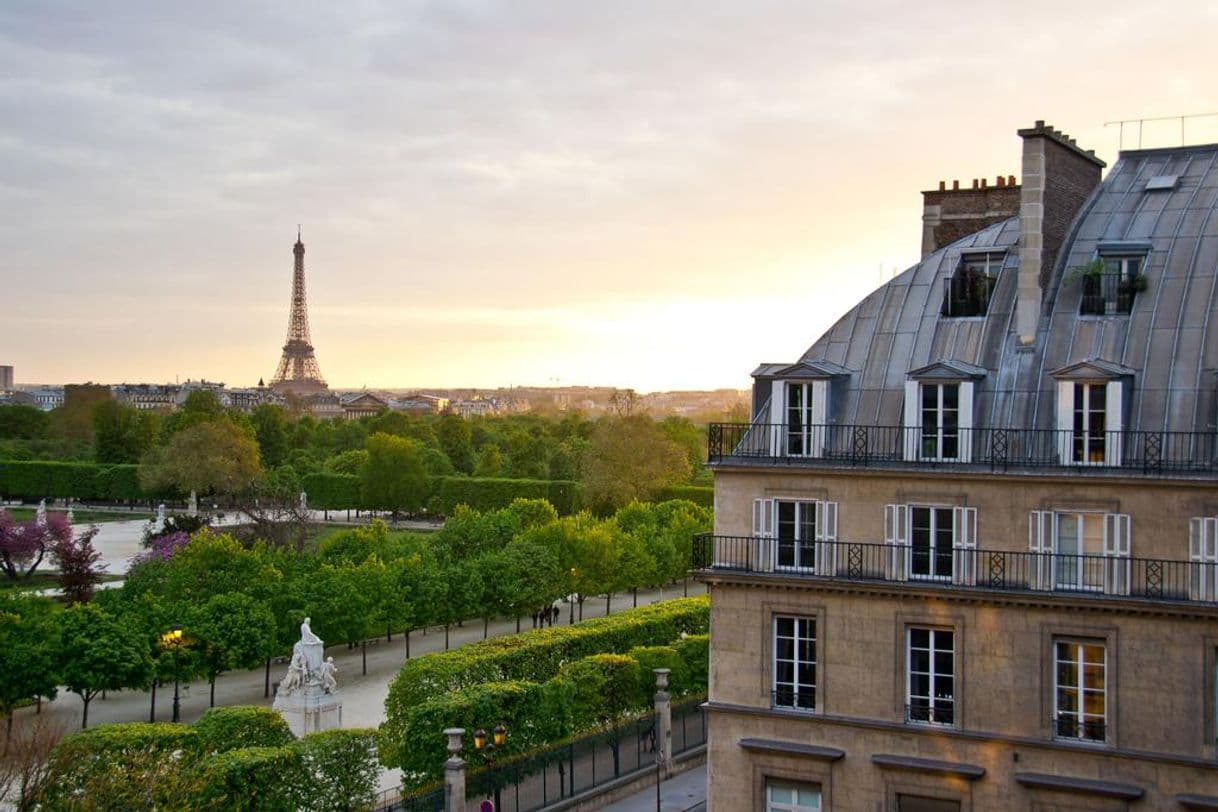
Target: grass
{"type": "Point", "coordinates": [80, 516]}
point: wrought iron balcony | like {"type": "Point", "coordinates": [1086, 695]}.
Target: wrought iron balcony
{"type": "Point", "coordinates": [1078, 576]}
{"type": "Point", "coordinates": [1123, 452]}
{"type": "Point", "coordinates": [1108, 293]}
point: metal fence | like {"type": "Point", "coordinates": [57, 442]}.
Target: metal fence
{"type": "Point", "coordinates": [966, 568]}
{"type": "Point", "coordinates": [541, 779]}
{"type": "Point", "coordinates": [1150, 452]}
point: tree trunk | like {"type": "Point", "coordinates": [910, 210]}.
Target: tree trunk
{"type": "Point", "coordinates": [518, 624]}
{"type": "Point", "coordinates": [266, 689]}
{"type": "Point", "coordinates": [152, 711]}
{"type": "Point", "coordinates": [212, 700]}
{"type": "Point", "coordinates": [608, 603]}
{"type": "Point", "coordinates": [581, 608]}
{"type": "Point", "coordinates": [364, 653]}
{"type": "Point", "coordinates": [636, 597]}
{"type": "Point", "coordinates": [8, 732]}
{"type": "Point", "coordinates": [685, 584]}
{"type": "Point", "coordinates": [388, 633]}
{"type": "Point", "coordinates": [84, 720]}
{"type": "Point", "coordinates": [486, 627]}
{"type": "Point", "coordinates": [408, 644]}
{"type": "Point", "coordinates": [446, 637]}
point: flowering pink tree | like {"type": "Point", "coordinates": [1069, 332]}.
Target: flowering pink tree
{"type": "Point", "coordinates": [79, 565]}
{"type": "Point", "coordinates": [23, 545]}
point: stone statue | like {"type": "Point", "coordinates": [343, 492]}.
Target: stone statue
{"type": "Point", "coordinates": [296, 676]}
{"type": "Point", "coordinates": [304, 501]}
{"type": "Point", "coordinates": [328, 671]}
{"type": "Point", "coordinates": [306, 633]}
{"type": "Point", "coordinates": [40, 517]}
{"type": "Point", "coordinates": [71, 513]}
{"type": "Point", "coordinates": [192, 506]}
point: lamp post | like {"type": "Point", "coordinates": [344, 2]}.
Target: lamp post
{"type": "Point", "coordinates": [172, 640]}
{"type": "Point", "coordinates": [571, 599]}
{"type": "Point", "coordinates": [487, 749]}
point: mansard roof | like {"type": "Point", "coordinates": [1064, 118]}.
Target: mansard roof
{"type": "Point", "coordinates": [1091, 369]}
{"type": "Point", "coordinates": [949, 369]}
{"type": "Point", "coordinates": [1168, 341]}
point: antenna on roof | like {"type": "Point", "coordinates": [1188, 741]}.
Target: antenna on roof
{"type": "Point", "coordinates": [1140, 121]}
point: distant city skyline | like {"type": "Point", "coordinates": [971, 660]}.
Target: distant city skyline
{"type": "Point", "coordinates": [633, 195]}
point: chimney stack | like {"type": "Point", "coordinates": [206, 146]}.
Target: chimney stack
{"type": "Point", "coordinates": [1057, 179]}
{"type": "Point", "coordinates": [949, 214]}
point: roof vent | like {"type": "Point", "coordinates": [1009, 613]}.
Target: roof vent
{"type": "Point", "coordinates": [1162, 183]}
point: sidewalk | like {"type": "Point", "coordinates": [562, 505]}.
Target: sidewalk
{"type": "Point", "coordinates": [683, 793]}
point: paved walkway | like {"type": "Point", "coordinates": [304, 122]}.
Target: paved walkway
{"type": "Point", "coordinates": [682, 793]}
{"type": "Point", "coordinates": [363, 696]}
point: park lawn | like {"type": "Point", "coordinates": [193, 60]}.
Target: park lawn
{"type": "Point", "coordinates": [80, 517]}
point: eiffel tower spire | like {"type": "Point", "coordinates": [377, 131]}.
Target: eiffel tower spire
{"type": "Point", "coordinates": [298, 372]}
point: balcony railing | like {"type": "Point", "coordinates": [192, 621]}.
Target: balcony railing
{"type": "Point", "coordinates": [971, 568]}
{"type": "Point", "coordinates": [1148, 452]}
{"type": "Point", "coordinates": [938, 712]}
{"type": "Point", "coordinates": [1107, 293]}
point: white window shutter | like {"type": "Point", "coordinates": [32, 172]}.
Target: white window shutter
{"type": "Point", "coordinates": [966, 421]}
{"type": "Point", "coordinates": [778, 419]}
{"type": "Point", "coordinates": [896, 536]}
{"type": "Point", "coordinates": [1116, 550]}
{"type": "Point", "coordinates": [1065, 421]}
{"type": "Point", "coordinates": [913, 415]}
{"type": "Point", "coordinates": [1114, 410]}
{"type": "Point", "coordinates": [763, 534]}
{"type": "Point", "coordinates": [1040, 544]}
{"type": "Point", "coordinates": [964, 546]}
{"type": "Point", "coordinates": [1203, 553]}
{"type": "Point", "coordinates": [819, 417]}
{"type": "Point", "coordinates": [826, 538]}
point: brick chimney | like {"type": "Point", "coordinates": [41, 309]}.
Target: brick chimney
{"type": "Point", "coordinates": [949, 214]}
{"type": "Point", "coordinates": [1057, 178]}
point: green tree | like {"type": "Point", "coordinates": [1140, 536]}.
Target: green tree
{"type": "Point", "coordinates": [455, 438]}
{"type": "Point", "coordinates": [215, 457]}
{"type": "Point", "coordinates": [347, 462]}
{"type": "Point", "coordinates": [490, 461]}
{"type": "Point", "coordinates": [394, 478]}
{"type": "Point", "coordinates": [350, 601]}
{"type": "Point", "coordinates": [19, 422]}
{"type": "Point", "coordinates": [230, 631]}
{"type": "Point", "coordinates": [100, 652]}
{"type": "Point", "coordinates": [27, 654]}
{"type": "Point", "coordinates": [124, 434]}
{"type": "Point", "coordinates": [200, 406]}
{"type": "Point", "coordinates": [271, 431]}
{"type": "Point", "coordinates": [631, 458]}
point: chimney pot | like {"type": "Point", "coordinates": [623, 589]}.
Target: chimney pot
{"type": "Point", "coordinates": [1010, 180]}
{"type": "Point", "coordinates": [983, 182]}
{"type": "Point", "coordinates": [942, 186]}
{"type": "Point", "coordinates": [955, 185]}
{"type": "Point", "coordinates": [1040, 123]}
{"type": "Point", "coordinates": [1001, 181]}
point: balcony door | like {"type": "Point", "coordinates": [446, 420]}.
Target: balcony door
{"type": "Point", "coordinates": [1089, 416]}
{"type": "Point", "coordinates": [796, 535]}
{"type": "Point", "coordinates": [1078, 547]}
{"type": "Point", "coordinates": [801, 419]}
{"type": "Point", "coordinates": [940, 425]}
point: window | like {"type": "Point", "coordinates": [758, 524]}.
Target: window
{"type": "Point", "coordinates": [920, 803]}
{"type": "Point", "coordinates": [798, 411]}
{"type": "Point", "coordinates": [1080, 690]}
{"type": "Point", "coordinates": [931, 676]}
{"type": "Point", "coordinates": [796, 534]}
{"type": "Point", "coordinates": [931, 543]}
{"type": "Point", "coordinates": [967, 292]}
{"type": "Point", "coordinates": [1077, 551]}
{"type": "Point", "coordinates": [1090, 421]}
{"type": "Point", "coordinates": [1111, 289]}
{"type": "Point", "coordinates": [1203, 553]}
{"type": "Point", "coordinates": [795, 663]}
{"type": "Point", "coordinates": [940, 426]}
{"type": "Point", "coordinates": [788, 796]}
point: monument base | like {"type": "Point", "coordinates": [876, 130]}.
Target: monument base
{"type": "Point", "coordinates": [309, 710]}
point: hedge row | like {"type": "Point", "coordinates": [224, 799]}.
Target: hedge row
{"type": "Point", "coordinates": [60, 480]}
{"type": "Point", "coordinates": [534, 656]}
{"type": "Point", "coordinates": [342, 492]}
{"type": "Point", "coordinates": [586, 694]}
{"type": "Point", "coordinates": [232, 758]}
{"type": "Point", "coordinates": [700, 495]}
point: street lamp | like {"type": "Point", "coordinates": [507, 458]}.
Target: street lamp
{"type": "Point", "coordinates": [172, 640]}
{"type": "Point", "coordinates": [571, 599]}
{"type": "Point", "coordinates": [487, 749]}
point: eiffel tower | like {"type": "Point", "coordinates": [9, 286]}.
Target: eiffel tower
{"type": "Point", "coordinates": [298, 373]}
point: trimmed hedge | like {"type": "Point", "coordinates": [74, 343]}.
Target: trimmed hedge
{"type": "Point", "coordinates": [534, 656]}
{"type": "Point", "coordinates": [652, 657]}
{"type": "Point", "coordinates": [332, 491]}
{"type": "Point", "coordinates": [605, 689]}
{"type": "Point", "coordinates": [487, 493]}
{"type": "Point", "coordinates": [237, 726]}
{"type": "Point", "coordinates": [694, 651]}
{"type": "Point", "coordinates": [699, 495]}
{"type": "Point", "coordinates": [267, 779]}
{"type": "Point", "coordinates": [342, 769]}
{"type": "Point", "coordinates": [22, 479]}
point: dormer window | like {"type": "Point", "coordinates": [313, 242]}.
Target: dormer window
{"type": "Point", "coordinates": [939, 412]}
{"type": "Point", "coordinates": [1110, 283]}
{"type": "Point", "coordinates": [799, 407]}
{"type": "Point", "coordinates": [967, 293]}
{"type": "Point", "coordinates": [1090, 409]}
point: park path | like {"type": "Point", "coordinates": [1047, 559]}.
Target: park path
{"type": "Point", "coordinates": [363, 696]}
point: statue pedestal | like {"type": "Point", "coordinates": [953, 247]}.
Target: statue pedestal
{"type": "Point", "coordinates": [310, 709]}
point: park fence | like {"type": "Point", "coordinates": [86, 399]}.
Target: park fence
{"type": "Point", "coordinates": [547, 777]}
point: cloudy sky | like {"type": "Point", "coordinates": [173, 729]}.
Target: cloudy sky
{"type": "Point", "coordinates": [650, 194]}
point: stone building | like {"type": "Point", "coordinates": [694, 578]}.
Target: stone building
{"type": "Point", "coordinates": [966, 553]}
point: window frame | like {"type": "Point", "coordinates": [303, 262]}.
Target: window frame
{"type": "Point", "coordinates": [931, 700]}
{"type": "Point", "coordinates": [939, 433]}
{"type": "Point", "coordinates": [1112, 298]}
{"type": "Point", "coordinates": [799, 546]}
{"type": "Point", "coordinates": [1081, 722]}
{"type": "Point", "coordinates": [975, 269]}
{"type": "Point", "coordinates": [934, 555]}
{"type": "Point", "coordinates": [796, 689]}
{"type": "Point", "coordinates": [793, 806]}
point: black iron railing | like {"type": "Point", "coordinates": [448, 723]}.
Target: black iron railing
{"type": "Point", "coordinates": [1146, 452]}
{"type": "Point", "coordinates": [1071, 727]}
{"type": "Point", "coordinates": [1108, 293]}
{"type": "Point", "coordinates": [971, 568]}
